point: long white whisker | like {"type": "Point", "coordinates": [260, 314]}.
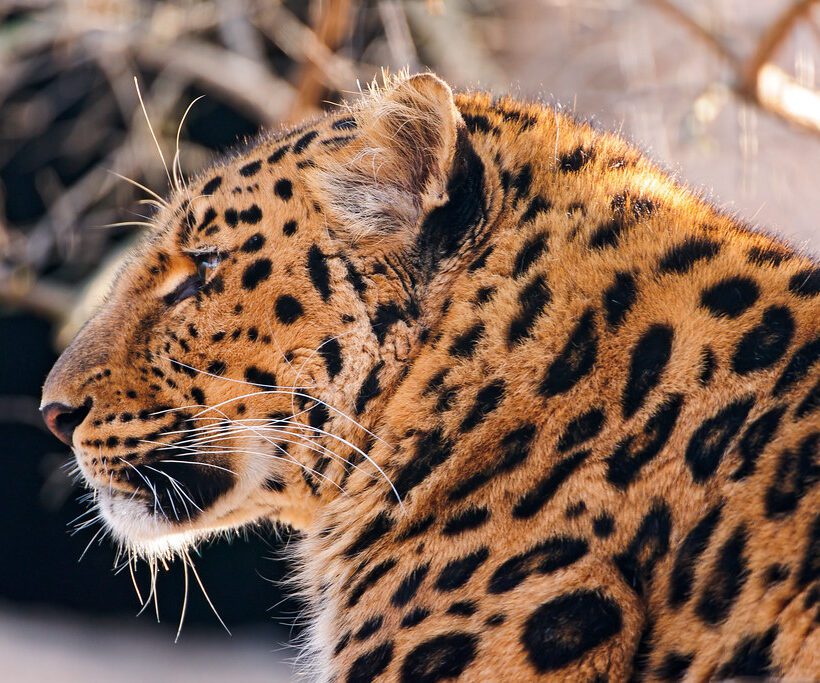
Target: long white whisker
{"type": "Point", "coordinates": [183, 496]}
{"type": "Point", "coordinates": [154, 589]}
{"type": "Point", "coordinates": [133, 576]}
{"type": "Point", "coordinates": [151, 587]}
{"type": "Point", "coordinates": [151, 129]}
{"type": "Point", "coordinates": [151, 202]}
{"type": "Point", "coordinates": [88, 523]}
{"type": "Point", "coordinates": [150, 486]}
{"type": "Point", "coordinates": [205, 593]}
{"type": "Point", "coordinates": [327, 405]}
{"type": "Point", "coordinates": [176, 167]}
{"type": "Point", "coordinates": [170, 493]}
{"type": "Point", "coordinates": [271, 389]}
{"type": "Point", "coordinates": [219, 435]}
{"type": "Point", "coordinates": [122, 224]}
{"type": "Point", "coordinates": [226, 434]}
{"type": "Point", "coordinates": [184, 597]}
{"type": "Point", "coordinates": [227, 451]}
{"type": "Point", "coordinates": [203, 464]}
{"type": "Point", "coordinates": [93, 538]}
{"type": "Point", "coordinates": [142, 187]}
{"type": "Point", "coordinates": [82, 514]}
{"type": "Point", "coordinates": [289, 458]}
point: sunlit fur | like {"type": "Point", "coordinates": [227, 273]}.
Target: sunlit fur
{"type": "Point", "coordinates": [535, 409]}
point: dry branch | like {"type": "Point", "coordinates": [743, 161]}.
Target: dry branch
{"type": "Point", "coordinates": [332, 28]}
{"type": "Point", "coordinates": [755, 79]}
{"type": "Point", "coordinates": [770, 42]}
{"type": "Point", "coordinates": [301, 44]}
{"type": "Point", "coordinates": [449, 42]}
{"type": "Point", "coordinates": [246, 84]}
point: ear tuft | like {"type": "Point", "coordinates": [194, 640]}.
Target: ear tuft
{"type": "Point", "coordinates": [398, 167]}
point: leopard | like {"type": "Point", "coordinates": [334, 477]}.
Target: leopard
{"type": "Point", "coordinates": [533, 408]}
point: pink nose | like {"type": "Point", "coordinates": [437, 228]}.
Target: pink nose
{"type": "Point", "coordinates": [62, 420]}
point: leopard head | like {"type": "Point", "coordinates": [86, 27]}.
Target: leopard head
{"type": "Point", "coordinates": [234, 373]}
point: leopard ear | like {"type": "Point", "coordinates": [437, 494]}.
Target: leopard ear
{"type": "Point", "coordinates": [397, 169]}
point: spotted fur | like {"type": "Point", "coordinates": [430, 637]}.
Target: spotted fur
{"type": "Point", "coordinates": [537, 410]}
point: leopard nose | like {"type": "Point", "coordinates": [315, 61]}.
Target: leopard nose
{"type": "Point", "coordinates": [62, 420]}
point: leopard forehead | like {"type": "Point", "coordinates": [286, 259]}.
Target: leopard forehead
{"type": "Point", "coordinates": [255, 197]}
{"type": "Point", "coordinates": [539, 410]}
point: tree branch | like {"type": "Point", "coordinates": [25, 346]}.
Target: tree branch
{"type": "Point", "coordinates": [756, 80]}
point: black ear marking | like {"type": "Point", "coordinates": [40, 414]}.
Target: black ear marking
{"type": "Point", "coordinates": [447, 227]}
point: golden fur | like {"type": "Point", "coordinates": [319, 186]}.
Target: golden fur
{"type": "Point", "coordinates": [537, 410]}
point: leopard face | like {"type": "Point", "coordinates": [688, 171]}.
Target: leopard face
{"type": "Point", "coordinates": [228, 377]}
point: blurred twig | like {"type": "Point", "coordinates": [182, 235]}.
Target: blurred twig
{"type": "Point", "coordinates": [770, 42]}
{"type": "Point", "coordinates": [332, 27]}
{"type": "Point", "coordinates": [42, 297]}
{"type": "Point", "coordinates": [698, 30]}
{"type": "Point", "coordinates": [250, 86]}
{"type": "Point", "coordinates": [398, 35]}
{"type": "Point", "coordinates": [449, 42]}
{"type": "Point", "coordinates": [301, 44]}
{"type": "Point", "coordinates": [755, 79]}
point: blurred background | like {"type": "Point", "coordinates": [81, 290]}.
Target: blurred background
{"type": "Point", "coordinates": [721, 92]}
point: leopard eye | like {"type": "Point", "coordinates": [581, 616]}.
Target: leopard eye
{"type": "Point", "coordinates": [205, 263]}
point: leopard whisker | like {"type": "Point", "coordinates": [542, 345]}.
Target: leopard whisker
{"type": "Point", "coordinates": [255, 432]}
{"type": "Point", "coordinates": [151, 202]}
{"type": "Point", "coordinates": [322, 450]}
{"type": "Point", "coordinates": [184, 596]}
{"type": "Point", "coordinates": [84, 513]}
{"type": "Point", "coordinates": [154, 587]}
{"type": "Point", "coordinates": [124, 224]}
{"type": "Point", "coordinates": [205, 593]}
{"type": "Point", "coordinates": [131, 571]}
{"type": "Point", "coordinates": [183, 495]}
{"type": "Point", "coordinates": [176, 166]}
{"type": "Point", "coordinates": [150, 486]}
{"type": "Point", "coordinates": [270, 389]}
{"type": "Point", "coordinates": [217, 434]}
{"type": "Point", "coordinates": [151, 129]}
{"type": "Point", "coordinates": [149, 598]}
{"type": "Point", "coordinates": [290, 460]}
{"type": "Point", "coordinates": [101, 530]}
{"type": "Point", "coordinates": [88, 523]}
{"type": "Point", "coordinates": [203, 464]}
{"type": "Point", "coordinates": [162, 202]}
{"type": "Point", "coordinates": [224, 432]}
{"type": "Point", "coordinates": [319, 432]}
{"type": "Point", "coordinates": [327, 405]}
{"type": "Point", "coordinates": [170, 497]}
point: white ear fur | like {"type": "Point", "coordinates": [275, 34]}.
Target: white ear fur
{"type": "Point", "coordinates": [397, 169]}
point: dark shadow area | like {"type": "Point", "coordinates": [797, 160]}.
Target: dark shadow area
{"type": "Point", "coordinates": [40, 569]}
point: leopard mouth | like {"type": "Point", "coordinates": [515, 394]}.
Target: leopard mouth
{"type": "Point", "coordinates": [164, 501]}
{"type": "Point", "coordinates": [178, 484]}
{"type": "Point", "coordinates": [134, 525]}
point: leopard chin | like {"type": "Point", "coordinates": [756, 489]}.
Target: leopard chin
{"type": "Point", "coordinates": [151, 525]}
{"type": "Point", "coordinates": [134, 525]}
{"type": "Point", "coordinates": [136, 529]}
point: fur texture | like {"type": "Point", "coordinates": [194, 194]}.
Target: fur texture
{"type": "Point", "coordinates": [538, 411]}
